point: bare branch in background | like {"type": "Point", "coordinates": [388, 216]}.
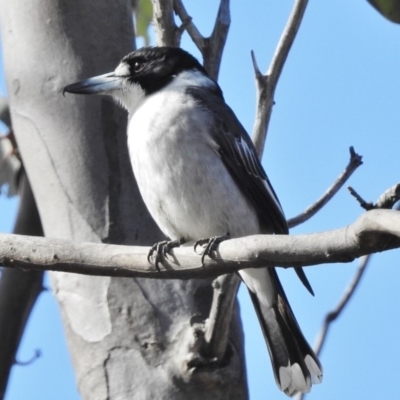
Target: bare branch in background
{"type": "Point", "coordinates": [354, 163]}
{"type": "Point", "coordinates": [37, 354]}
{"type": "Point", "coordinates": [266, 84]}
{"type": "Point", "coordinates": [364, 204]}
{"type": "Point", "coordinates": [373, 231]}
{"type": "Point", "coordinates": [216, 42]}
{"type": "Point", "coordinates": [188, 25]}
{"type": "Point", "coordinates": [347, 295]}
{"type": "Point", "coordinates": [386, 200]}
{"type": "Point", "coordinates": [211, 47]}
{"type": "Point", "coordinates": [167, 33]}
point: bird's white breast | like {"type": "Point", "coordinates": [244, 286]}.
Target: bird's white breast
{"type": "Point", "coordinates": [184, 183]}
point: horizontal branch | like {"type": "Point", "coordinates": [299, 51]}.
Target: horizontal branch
{"type": "Point", "coordinates": [374, 231]}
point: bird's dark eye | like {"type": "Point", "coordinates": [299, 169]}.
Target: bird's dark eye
{"type": "Point", "coordinates": [138, 66]}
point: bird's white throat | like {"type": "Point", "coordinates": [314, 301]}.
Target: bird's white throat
{"type": "Point", "coordinates": [130, 96]}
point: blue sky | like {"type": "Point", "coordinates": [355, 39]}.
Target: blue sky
{"type": "Point", "coordinates": [339, 88]}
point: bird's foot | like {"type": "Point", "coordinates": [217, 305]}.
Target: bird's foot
{"type": "Point", "coordinates": [210, 244]}
{"type": "Point", "coordinates": [160, 250]}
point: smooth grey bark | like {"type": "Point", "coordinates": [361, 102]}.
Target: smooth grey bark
{"type": "Point", "coordinates": [374, 231]}
{"type": "Point", "coordinates": [19, 289]}
{"type": "Point", "coordinates": [128, 338]}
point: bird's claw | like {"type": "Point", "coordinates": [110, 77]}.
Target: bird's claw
{"type": "Point", "coordinates": [160, 250]}
{"type": "Point", "coordinates": [211, 245]}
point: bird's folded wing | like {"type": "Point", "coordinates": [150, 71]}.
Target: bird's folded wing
{"type": "Point", "coordinates": [239, 155]}
{"type": "Point", "coordinates": [237, 152]}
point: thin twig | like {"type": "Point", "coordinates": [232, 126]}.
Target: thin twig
{"type": "Point", "coordinates": [266, 84]}
{"type": "Point", "coordinates": [347, 295]}
{"type": "Point", "coordinates": [188, 25]}
{"type": "Point", "coordinates": [366, 205]}
{"type": "Point", "coordinates": [386, 200]}
{"type": "Point", "coordinates": [36, 355]}
{"type": "Point", "coordinates": [354, 163]}
{"type": "Point", "coordinates": [212, 47]}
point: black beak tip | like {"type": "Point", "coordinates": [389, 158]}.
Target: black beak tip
{"type": "Point", "coordinates": [67, 89]}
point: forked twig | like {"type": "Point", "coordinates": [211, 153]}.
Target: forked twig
{"type": "Point", "coordinates": [188, 24]}
{"type": "Point", "coordinates": [211, 47]}
{"type": "Point", "coordinates": [354, 163]}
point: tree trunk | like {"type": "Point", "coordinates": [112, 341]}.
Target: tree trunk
{"type": "Point", "coordinates": [128, 338]}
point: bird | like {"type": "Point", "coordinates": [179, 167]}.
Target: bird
{"type": "Point", "coordinates": [200, 177]}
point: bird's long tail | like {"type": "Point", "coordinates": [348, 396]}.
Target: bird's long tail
{"type": "Point", "coordinates": [295, 365]}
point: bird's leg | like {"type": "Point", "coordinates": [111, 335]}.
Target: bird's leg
{"type": "Point", "coordinates": [161, 249]}
{"type": "Point", "coordinates": [211, 245]}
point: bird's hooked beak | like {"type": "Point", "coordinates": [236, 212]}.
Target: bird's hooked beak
{"type": "Point", "coordinates": [102, 84]}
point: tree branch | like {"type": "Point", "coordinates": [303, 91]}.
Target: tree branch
{"type": "Point", "coordinates": [167, 33]}
{"type": "Point", "coordinates": [266, 84]}
{"type": "Point", "coordinates": [373, 231]}
{"type": "Point", "coordinates": [354, 163]}
{"type": "Point", "coordinates": [212, 47]}
{"type": "Point", "coordinates": [188, 25]}
{"type": "Point", "coordinates": [386, 200]}
{"type": "Point", "coordinates": [215, 44]}
{"type": "Point", "coordinates": [347, 295]}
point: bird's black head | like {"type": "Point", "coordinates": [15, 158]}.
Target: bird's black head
{"type": "Point", "coordinates": [145, 72]}
{"type": "Point", "coordinates": [154, 67]}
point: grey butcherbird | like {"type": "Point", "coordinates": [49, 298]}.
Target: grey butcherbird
{"type": "Point", "coordinates": [200, 177]}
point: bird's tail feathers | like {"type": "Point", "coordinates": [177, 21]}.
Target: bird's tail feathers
{"type": "Point", "coordinates": [295, 365]}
